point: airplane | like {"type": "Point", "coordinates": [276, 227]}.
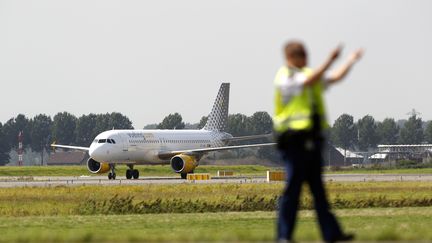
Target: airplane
{"type": "Point", "coordinates": [182, 149]}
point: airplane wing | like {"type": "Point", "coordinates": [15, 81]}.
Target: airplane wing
{"type": "Point", "coordinates": [235, 139]}
{"type": "Point", "coordinates": [169, 154]}
{"type": "Point", "coordinates": [69, 147]}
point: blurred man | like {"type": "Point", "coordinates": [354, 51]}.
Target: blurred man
{"type": "Point", "coordinates": [299, 123]}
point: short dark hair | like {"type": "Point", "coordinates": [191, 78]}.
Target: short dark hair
{"type": "Point", "coordinates": [295, 49]}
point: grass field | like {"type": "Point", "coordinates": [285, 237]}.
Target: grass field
{"type": "Point", "coordinates": [165, 170]}
{"type": "Point", "coordinates": [145, 170]}
{"type": "Point", "coordinates": [199, 198]}
{"type": "Point", "coordinates": [368, 224]}
{"type": "Point", "coordinates": [382, 171]}
{"type": "Point", "coordinates": [202, 212]}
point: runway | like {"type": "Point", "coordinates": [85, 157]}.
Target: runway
{"type": "Point", "coordinates": [53, 181]}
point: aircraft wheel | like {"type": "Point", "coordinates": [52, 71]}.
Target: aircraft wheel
{"type": "Point", "coordinates": [135, 174]}
{"type": "Point", "coordinates": [183, 175]}
{"type": "Point", "coordinates": [110, 176]}
{"type": "Point", "coordinates": [113, 176]}
{"type": "Point", "coordinates": [129, 174]}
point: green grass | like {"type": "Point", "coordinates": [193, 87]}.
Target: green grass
{"type": "Point", "coordinates": [381, 171]}
{"type": "Point", "coordinates": [58, 214]}
{"type": "Point", "coordinates": [368, 224]}
{"type": "Point", "coordinates": [145, 170]}
{"type": "Point", "coordinates": [165, 170]}
{"type": "Point", "coordinates": [65, 200]}
{"type": "Point", "coordinates": [191, 197]}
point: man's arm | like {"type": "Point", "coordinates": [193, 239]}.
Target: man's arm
{"type": "Point", "coordinates": [318, 73]}
{"type": "Point", "coordinates": [343, 70]}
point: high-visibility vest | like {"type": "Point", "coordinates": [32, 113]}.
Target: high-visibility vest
{"type": "Point", "coordinates": [297, 113]}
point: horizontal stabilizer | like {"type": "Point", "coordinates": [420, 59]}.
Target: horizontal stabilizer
{"type": "Point", "coordinates": [251, 137]}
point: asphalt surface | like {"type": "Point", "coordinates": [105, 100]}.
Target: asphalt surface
{"type": "Point", "coordinates": [52, 181]}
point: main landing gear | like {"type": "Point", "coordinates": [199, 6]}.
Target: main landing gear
{"type": "Point", "coordinates": [112, 174]}
{"type": "Point", "coordinates": [184, 175]}
{"type": "Point", "coordinates": [132, 173]}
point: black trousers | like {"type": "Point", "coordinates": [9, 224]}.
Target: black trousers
{"type": "Point", "coordinates": [303, 160]}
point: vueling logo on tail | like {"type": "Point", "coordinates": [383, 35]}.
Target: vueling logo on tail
{"type": "Point", "coordinates": [218, 117]}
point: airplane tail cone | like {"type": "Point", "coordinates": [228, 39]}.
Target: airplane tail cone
{"type": "Point", "coordinates": [218, 117]}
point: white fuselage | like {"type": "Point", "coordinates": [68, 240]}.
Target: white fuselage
{"type": "Point", "coordinates": [144, 146]}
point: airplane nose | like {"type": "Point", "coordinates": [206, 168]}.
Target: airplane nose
{"type": "Point", "coordinates": [96, 152]}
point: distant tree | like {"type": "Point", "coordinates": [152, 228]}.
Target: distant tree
{"type": "Point", "coordinates": [202, 122]}
{"type": "Point", "coordinates": [13, 126]}
{"type": "Point", "coordinates": [412, 131]}
{"type": "Point", "coordinates": [238, 125]}
{"type": "Point", "coordinates": [260, 123]}
{"type": "Point", "coordinates": [85, 130]}
{"type": "Point", "coordinates": [388, 131]}
{"type": "Point", "coordinates": [344, 132]}
{"type": "Point", "coordinates": [10, 133]}
{"type": "Point", "coordinates": [172, 121]}
{"type": "Point", "coordinates": [428, 132]}
{"type": "Point", "coordinates": [102, 123]}
{"type": "Point", "coordinates": [40, 132]}
{"type": "Point", "coordinates": [4, 147]}
{"type": "Point", "coordinates": [192, 126]}
{"type": "Point", "coordinates": [63, 129]}
{"type": "Point", "coordinates": [120, 121]}
{"type": "Point", "coordinates": [367, 133]}
{"type": "Point", "coordinates": [270, 153]}
{"type": "Point", "coordinates": [22, 123]}
{"type": "Point", "coordinates": [151, 126]}
{"type": "Point", "coordinates": [111, 121]}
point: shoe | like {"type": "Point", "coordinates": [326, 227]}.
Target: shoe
{"type": "Point", "coordinates": [342, 237]}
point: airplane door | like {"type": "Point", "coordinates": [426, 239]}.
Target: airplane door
{"type": "Point", "coordinates": [125, 142]}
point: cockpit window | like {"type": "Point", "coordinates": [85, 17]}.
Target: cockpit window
{"type": "Point", "coordinates": [109, 140]}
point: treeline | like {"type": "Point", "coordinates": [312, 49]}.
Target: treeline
{"type": "Point", "coordinates": [366, 133]}
{"type": "Point", "coordinates": [64, 128]}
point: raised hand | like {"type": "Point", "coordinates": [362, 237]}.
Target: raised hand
{"type": "Point", "coordinates": [336, 52]}
{"type": "Point", "coordinates": [356, 55]}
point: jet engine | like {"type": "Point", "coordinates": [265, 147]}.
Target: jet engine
{"type": "Point", "coordinates": [97, 167]}
{"type": "Point", "coordinates": [183, 163]}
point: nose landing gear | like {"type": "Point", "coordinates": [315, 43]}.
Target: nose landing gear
{"type": "Point", "coordinates": [112, 174]}
{"type": "Point", "coordinates": [132, 173]}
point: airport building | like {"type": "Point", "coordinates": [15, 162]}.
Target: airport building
{"type": "Point", "coordinates": [414, 152]}
{"type": "Point", "coordinates": [67, 158]}
{"type": "Point", "coordinates": [31, 158]}
{"type": "Point", "coordinates": [335, 156]}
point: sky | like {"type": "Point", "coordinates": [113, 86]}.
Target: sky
{"type": "Point", "coordinates": [147, 59]}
